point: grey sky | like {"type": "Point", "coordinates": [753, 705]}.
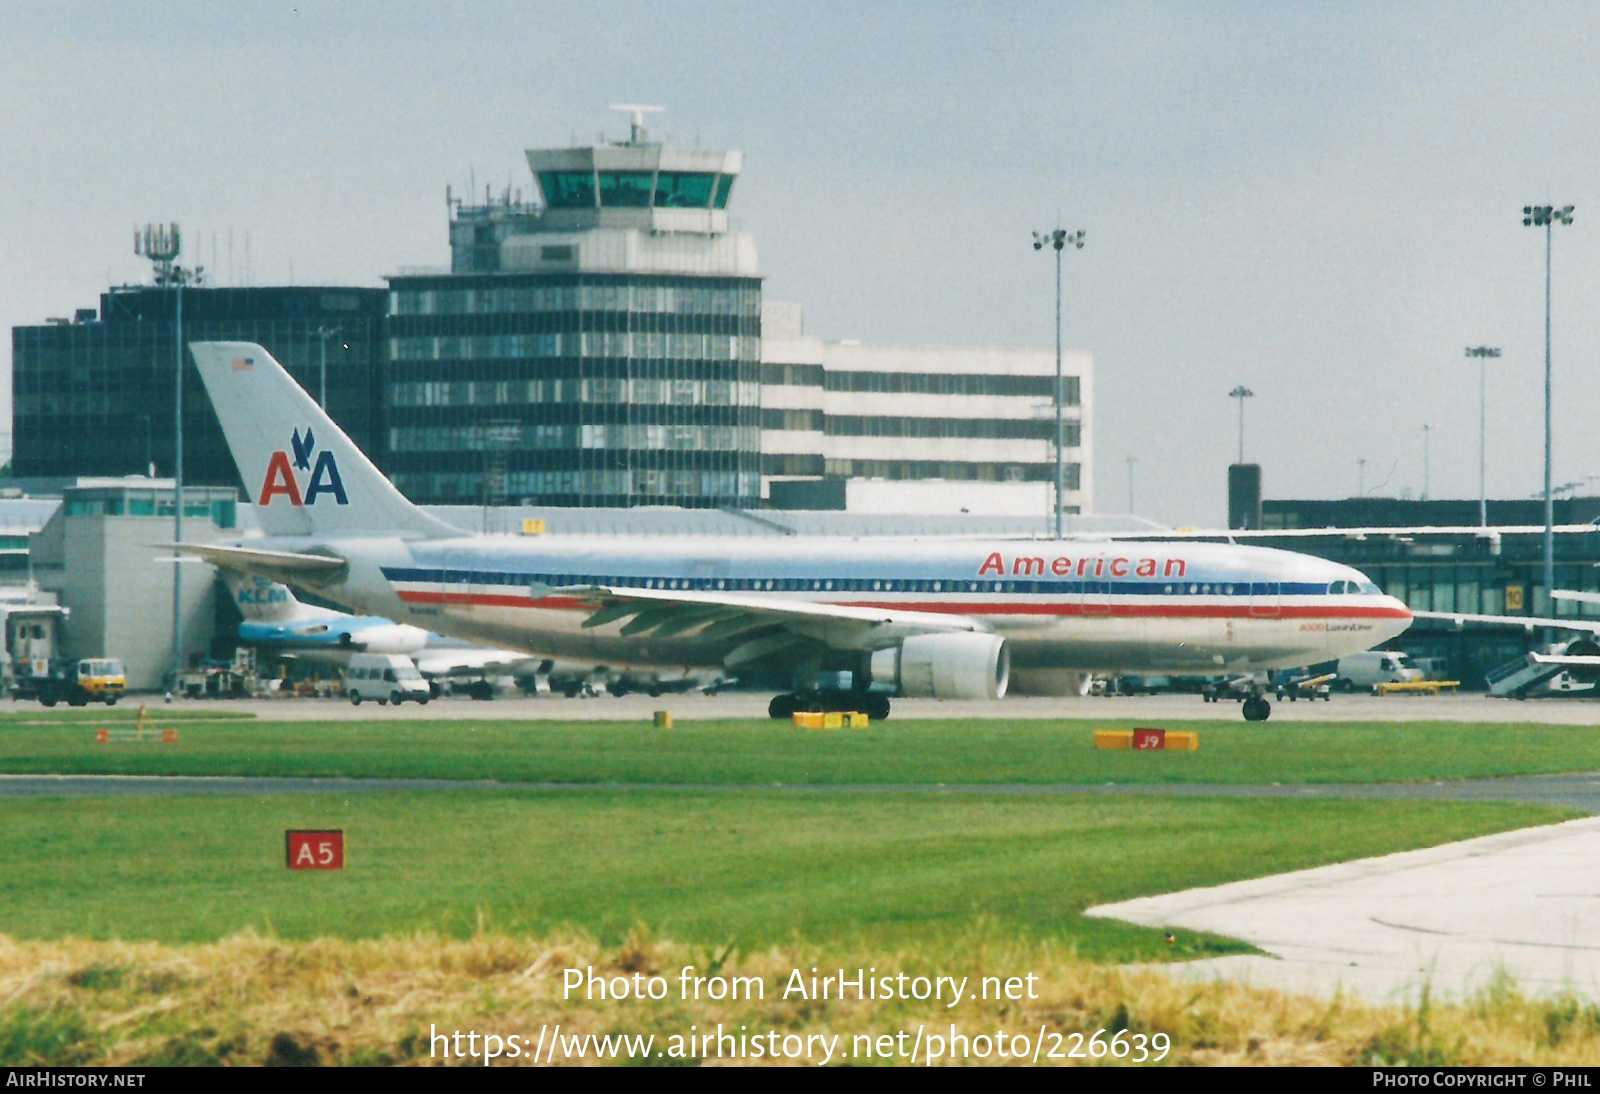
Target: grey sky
{"type": "Point", "coordinates": [1320, 201]}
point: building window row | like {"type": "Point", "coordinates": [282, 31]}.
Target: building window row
{"type": "Point", "coordinates": [809, 421]}
{"type": "Point", "coordinates": [840, 425]}
{"type": "Point", "coordinates": [951, 383]}
{"type": "Point", "coordinates": [568, 486]}
{"type": "Point", "coordinates": [636, 345]}
{"type": "Point", "coordinates": [921, 383]}
{"type": "Point", "coordinates": [519, 437]}
{"type": "Point", "coordinates": [809, 464]}
{"type": "Point", "coordinates": [954, 471]}
{"type": "Point", "coordinates": [664, 299]}
{"type": "Point", "coordinates": [637, 392]}
{"type": "Point", "coordinates": [791, 375]}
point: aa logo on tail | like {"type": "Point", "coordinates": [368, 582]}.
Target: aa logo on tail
{"type": "Point", "coordinates": [281, 480]}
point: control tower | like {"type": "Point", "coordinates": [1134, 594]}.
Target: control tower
{"type": "Point", "coordinates": [610, 331]}
{"type": "Point", "coordinates": [633, 207]}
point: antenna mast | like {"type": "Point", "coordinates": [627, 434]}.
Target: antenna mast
{"type": "Point", "coordinates": [638, 133]}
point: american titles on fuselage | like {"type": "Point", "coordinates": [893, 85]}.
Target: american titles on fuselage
{"type": "Point", "coordinates": [1099, 566]}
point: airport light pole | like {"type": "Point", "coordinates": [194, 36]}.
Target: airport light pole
{"type": "Point", "coordinates": [323, 334]}
{"type": "Point", "coordinates": [1131, 461]}
{"type": "Point", "coordinates": [1361, 476]}
{"type": "Point", "coordinates": [177, 482]}
{"type": "Point", "coordinates": [1427, 431]}
{"type": "Point", "coordinates": [1241, 393]}
{"type": "Point", "coordinates": [1483, 353]}
{"type": "Point", "coordinates": [1058, 240]}
{"type": "Point", "coordinates": [161, 244]}
{"type": "Point", "coordinates": [1546, 217]}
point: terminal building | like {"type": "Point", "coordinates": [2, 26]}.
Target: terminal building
{"type": "Point", "coordinates": [1436, 556]}
{"type": "Point", "coordinates": [93, 394]}
{"type": "Point", "coordinates": [96, 557]}
{"type": "Point", "coordinates": [918, 429]}
{"type": "Point", "coordinates": [603, 345]}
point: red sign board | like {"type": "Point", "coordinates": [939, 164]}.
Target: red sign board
{"type": "Point", "coordinates": [1149, 738]}
{"type": "Point", "coordinates": [314, 848]}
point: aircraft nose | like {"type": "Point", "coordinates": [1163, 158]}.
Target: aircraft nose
{"type": "Point", "coordinates": [1400, 620]}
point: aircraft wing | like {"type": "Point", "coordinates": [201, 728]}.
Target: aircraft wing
{"type": "Point", "coordinates": [1569, 660]}
{"type": "Point", "coordinates": [1528, 622]}
{"type": "Point", "coordinates": [764, 626]}
{"type": "Point", "coordinates": [443, 662]}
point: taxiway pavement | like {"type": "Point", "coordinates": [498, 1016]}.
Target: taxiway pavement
{"type": "Point", "coordinates": [1522, 904]}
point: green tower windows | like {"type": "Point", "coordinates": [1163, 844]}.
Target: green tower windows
{"type": "Point", "coordinates": [567, 189]}
{"type": "Point", "coordinates": [625, 189]}
{"type": "Point", "coordinates": [682, 190]}
{"type": "Point", "coordinates": [635, 189]}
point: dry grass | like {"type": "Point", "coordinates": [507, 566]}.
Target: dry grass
{"type": "Point", "coordinates": [254, 1000]}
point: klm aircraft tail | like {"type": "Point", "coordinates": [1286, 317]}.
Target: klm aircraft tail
{"type": "Point", "coordinates": [262, 601]}
{"type": "Point", "coordinates": [304, 475]}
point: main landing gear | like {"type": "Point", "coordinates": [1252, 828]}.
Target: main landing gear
{"type": "Point", "coordinates": [1257, 708]}
{"type": "Point", "coordinates": [784, 707]}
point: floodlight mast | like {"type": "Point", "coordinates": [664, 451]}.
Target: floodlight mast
{"type": "Point", "coordinates": [1058, 240]}
{"type": "Point", "coordinates": [1547, 217]}
{"type": "Point", "coordinates": [323, 333]}
{"type": "Point", "coordinates": [1427, 431]}
{"type": "Point", "coordinates": [1241, 393]}
{"type": "Point", "coordinates": [161, 244]}
{"type": "Point", "coordinates": [1483, 353]}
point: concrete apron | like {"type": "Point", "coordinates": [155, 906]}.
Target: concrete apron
{"type": "Point", "coordinates": [1451, 917]}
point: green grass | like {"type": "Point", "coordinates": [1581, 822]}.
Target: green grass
{"type": "Point", "coordinates": [763, 752]}
{"type": "Point", "coordinates": [712, 868]}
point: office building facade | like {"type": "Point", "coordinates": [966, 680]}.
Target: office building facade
{"type": "Point", "coordinates": [918, 428]}
{"type": "Point", "coordinates": [93, 395]}
{"type": "Point", "coordinates": [600, 348]}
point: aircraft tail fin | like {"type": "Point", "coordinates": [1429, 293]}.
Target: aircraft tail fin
{"type": "Point", "coordinates": [306, 477]}
{"type": "Point", "coordinates": [260, 600]}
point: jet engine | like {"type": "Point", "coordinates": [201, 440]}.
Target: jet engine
{"type": "Point", "coordinates": [945, 666]}
{"type": "Point", "coordinates": [1583, 647]}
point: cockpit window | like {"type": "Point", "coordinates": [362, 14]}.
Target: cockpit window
{"type": "Point", "coordinates": [1352, 588]}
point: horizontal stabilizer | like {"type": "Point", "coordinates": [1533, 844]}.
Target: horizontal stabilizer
{"type": "Point", "coordinates": [288, 567]}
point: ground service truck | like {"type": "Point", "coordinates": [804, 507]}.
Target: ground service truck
{"type": "Point", "coordinates": [76, 683]}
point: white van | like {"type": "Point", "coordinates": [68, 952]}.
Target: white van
{"type": "Point", "coordinates": [386, 677]}
{"type": "Point", "coordinates": [1363, 670]}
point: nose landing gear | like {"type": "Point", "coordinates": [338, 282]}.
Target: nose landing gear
{"type": "Point", "coordinates": [1257, 708]}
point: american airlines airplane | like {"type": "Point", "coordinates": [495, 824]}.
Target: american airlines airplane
{"type": "Point", "coordinates": [942, 619]}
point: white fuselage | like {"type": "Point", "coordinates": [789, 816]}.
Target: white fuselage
{"type": "Point", "coordinates": [1086, 606]}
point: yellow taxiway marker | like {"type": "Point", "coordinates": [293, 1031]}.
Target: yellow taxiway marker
{"type": "Point", "coordinates": [1414, 687]}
